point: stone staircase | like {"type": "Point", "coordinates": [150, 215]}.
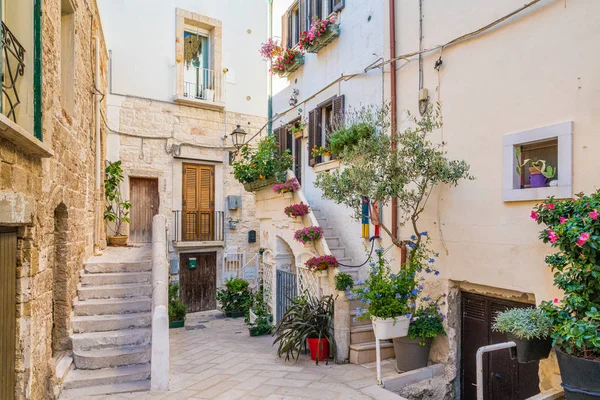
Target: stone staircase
{"type": "Point", "coordinates": [111, 328]}
{"type": "Point", "coordinates": [362, 338]}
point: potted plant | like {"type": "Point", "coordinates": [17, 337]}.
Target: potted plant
{"type": "Point", "coordinates": [263, 166]}
{"type": "Point", "coordinates": [321, 151]}
{"type": "Point", "coordinates": [296, 210]}
{"type": "Point", "coordinates": [117, 209]}
{"type": "Point", "coordinates": [529, 328]}
{"type": "Point", "coordinates": [270, 49]}
{"type": "Point", "coordinates": [343, 282]}
{"type": "Point", "coordinates": [321, 33]}
{"type": "Point", "coordinates": [308, 319]}
{"type": "Point", "coordinates": [308, 235]}
{"type": "Point", "coordinates": [261, 251]}
{"type": "Point", "coordinates": [259, 319]}
{"type": "Point", "coordinates": [322, 263]}
{"type": "Point", "coordinates": [235, 298]}
{"type": "Point", "coordinates": [176, 308]}
{"type": "Point", "coordinates": [288, 188]}
{"type": "Point", "coordinates": [297, 129]}
{"type": "Point", "coordinates": [289, 61]}
{"type": "Point", "coordinates": [388, 298]}
{"type": "Point", "coordinates": [573, 228]}
{"type": "Point", "coordinates": [539, 172]}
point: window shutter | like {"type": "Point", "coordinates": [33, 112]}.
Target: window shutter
{"type": "Point", "coordinates": [338, 108]}
{"type": "Point", "coordinates": [284, 29]}
{"type": "Point", "coordinates": [338, 5]}
{"type": "Point", "coordinates": [277, 134]}
{"type": "Point", "coordinates": [289, 138]}
{"type": "Point", "coordinates": [290, 34]}
{"type": "Point", "coordinates": [190, 189]}
{"type": "Point", "coordinates": [302, 11]}
{"type": "Point", "coordinates": [311, 136]}
{"type": "Point", "coordinates": [318, 130]}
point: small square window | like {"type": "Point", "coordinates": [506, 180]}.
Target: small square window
{"type": "Point", "coordinates": [540, 154]}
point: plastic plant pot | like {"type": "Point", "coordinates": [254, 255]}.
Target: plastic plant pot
{"type": "Point", "coordinates": [320, 345]}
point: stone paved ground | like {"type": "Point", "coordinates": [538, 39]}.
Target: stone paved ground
{"type": "Point", "coordinates": [221, 361]}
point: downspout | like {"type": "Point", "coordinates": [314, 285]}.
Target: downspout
{"type": "Point", "coordinates": [270, 80]}
{"type": "Point", "coordinates": [392, 12]}
{"type": "Point", "coordinates": [98, 151]}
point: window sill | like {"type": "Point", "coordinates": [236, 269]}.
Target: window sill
{"type": "Point", "coordinates": [532, 194]}
{"type": "Point", "coordinates": [326, 166]}
{"type": "Point", "coordinates": [210, 105]}
{"type": "Point", "coordinates": [23, 139]}
{"type": "Point", "coordinates": [197, 245]}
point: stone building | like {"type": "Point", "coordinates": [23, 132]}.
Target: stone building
{"type": "Point", "coordinates": [174, 99]}
{"type": "Point", "coordinates": [54, 68]}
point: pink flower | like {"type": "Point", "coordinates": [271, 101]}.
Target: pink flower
{"type": "Point", "coordinates": [552, 236]}
{"type": "Point", "coordinates": [555, 300]}
{"type": "Point", "coordinates": [562, 220]}
{"type": "Point", "coordinates": [584, 237]}
{"type": "Point", "coordinates": [593, 215]}
{"type": "Point", "coordinates": [549, 206]}
{"type": "Point", "coordinates": [534, 215]}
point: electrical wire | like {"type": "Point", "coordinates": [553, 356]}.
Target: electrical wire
{"type": "Point", "coordinates": [372, 240]}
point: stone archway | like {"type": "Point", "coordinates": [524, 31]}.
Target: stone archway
{"type": "Point", "coordinates": [60, 276]}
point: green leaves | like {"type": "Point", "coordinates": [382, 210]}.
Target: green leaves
{"type": "Point", "coordinates": [262, 163]}
{"type": "Point", "coordinates": [117, 209]}
{"type": "Point", "coordinates": [524, 323]}
{"type": "Point", "coordinates": [236, 296]}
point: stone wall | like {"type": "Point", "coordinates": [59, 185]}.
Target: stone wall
{"type": "Point", "coordinates": [53, 200]}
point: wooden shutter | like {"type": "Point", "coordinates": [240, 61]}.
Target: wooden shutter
{"type": "Point", "coordinates": [318, 130]}
{"type": "Point", "coordinates": [302, 6]}
{"type": "Point", "coordinates": [284, 29]}
{"type": "Point", "coordinates": [8, 313]}
{"type": "Point", "coordinates": [206, 201]}
{"type": "Point", "coordinates": [311, 136]}
{"type": "Point", "coordinates": [277, 133]}
{"type": "Point", "coordinates": [338, 108]}
{"type": "Point", "coordinates": [338, 5]}
{"type": "Point", "coordinates": [198, 202]}
{"type": "Point", "coordinates": [289, 138]}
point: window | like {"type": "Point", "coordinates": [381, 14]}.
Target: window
{"type": "Point", "coordinates": [320, 121]}
{"type": "Point", "coordinates": [197, 79]}
{"type": "Point", "coordinates": [67, 56]}
{"type": "Point", "coordinates": [554, 144]}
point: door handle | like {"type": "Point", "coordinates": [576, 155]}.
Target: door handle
{"type": "Point", "coordinates": [498, 376]}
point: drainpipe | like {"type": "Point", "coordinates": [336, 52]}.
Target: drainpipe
{"type": "Point", "coordinates": [392, 12]}
{"type": "Point", "coordinates": [270, 80]}
{"type": "Point", "coordinates": [98, 151]}
{"type": "Point", "coordinates": [479, 362]}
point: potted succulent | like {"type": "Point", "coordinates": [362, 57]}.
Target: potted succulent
{"type": "Point", "coordinates": [176, 308]}
{"type": "Point", "coordinates": [308, 235]}
{"type": "Point", "coordinates": [308, 319]}
{"type": "Point", "coordinates": [288, 188]}
{"type": "Point", "coordinates": [343, 282]}
{"type": "Point", "coordinates": [388, 298]}
{"type": "Point", "coordinates": [529, 328]}
{"type": "Point", "coordinates": [573, 228]}
{"type": "Point", "coordinates": [539, 172]}
{"type": "Point", "coordinates": [235, 298]}
{"type": "Point", "coordinates": [117, 209]}
{"type": "Point", "coordinates": [322, 264]}
{"type": "Point", "coordinates": [260, 320]}
{"type": "Point", "coordinates": [296, 210]}
{"type": "Point", "coordinates": [322, 151]}
{"type": "Point", "coordinates": [412, 351]}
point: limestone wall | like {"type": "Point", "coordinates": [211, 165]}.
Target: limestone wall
{"type": "Point", "coordinates": [51, 250]}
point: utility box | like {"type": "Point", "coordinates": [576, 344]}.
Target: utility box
{"type": "Point", "coordinates": [174, 267]}
{"type": "Point", "coordinates": [234, 202]}
{"type": "Point", "coordinates": [251, 236]}
{"type": "Point", "coordinates": [192, 263]}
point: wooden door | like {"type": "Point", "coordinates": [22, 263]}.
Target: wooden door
{"type": "Point", "coordinates": [198, 202]}
{"type": "Point", "coordinates": [503, 378]}
{"type": "Point", "coordinates": [199, 285]}
{"type": "Point", "coordinates": [8, 314]}
{"type": "Point", "coordinates": [144, 205]}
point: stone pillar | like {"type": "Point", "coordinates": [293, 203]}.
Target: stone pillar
{"type": "Point", "coordinates": [341, 325]}
{"type": "Point", "coordinates": [159, 367]}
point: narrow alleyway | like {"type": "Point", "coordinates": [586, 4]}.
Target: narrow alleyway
{"type": "Point", "coordinates": [215, 358]}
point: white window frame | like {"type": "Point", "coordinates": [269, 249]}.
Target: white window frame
{"type": "Point", "coordinates": [511, 181]}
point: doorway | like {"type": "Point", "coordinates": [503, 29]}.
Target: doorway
{"type": "Point", "coordinates": [503, 378]}
{"type": "Point", "coordinates": [8, 311]}
{"type": "Point", "coordinates": [198, 276]}
{"type": "Point", "coordinates": [286, 291]}
{"type": "Point", "coordinates": [144, 205]}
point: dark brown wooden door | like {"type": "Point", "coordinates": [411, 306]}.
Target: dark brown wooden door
{"type": "Point", "coordinates": [199, 285]}
{"type": "Point", "coordinates": [144, 205]}
{"type": "Point", "coordinates": [198, 202]}
{"type": "Point", "coordinates": [504, 379]}
{"type": "Point", "coordinates": [8, 314]}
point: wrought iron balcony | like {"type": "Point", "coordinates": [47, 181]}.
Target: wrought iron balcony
{"type": "Point", "coordinates": [198, 226]}
{"type": "Point", "coordinates": [206, 86]}
{"type": "Point", "coordinates": [13, 68]}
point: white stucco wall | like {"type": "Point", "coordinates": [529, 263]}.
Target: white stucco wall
{"type": "Point", "coordinates": [360, 43]}
{"type": "Point", "coordinates": [141, 37]}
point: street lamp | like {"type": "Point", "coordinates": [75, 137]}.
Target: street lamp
{"type": "Point", "coordinates": [238, 137]}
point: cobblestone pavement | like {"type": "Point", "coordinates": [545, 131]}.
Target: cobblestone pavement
{"type": "Point", "coordinates": [219, 360]}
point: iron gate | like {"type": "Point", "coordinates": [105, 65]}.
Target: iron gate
{"type": "Point", "coordinates": [286, 291]}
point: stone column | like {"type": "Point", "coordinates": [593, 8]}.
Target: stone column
{"type": "Point", "coordinates": [341, 325]}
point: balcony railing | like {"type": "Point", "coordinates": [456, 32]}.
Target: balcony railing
{"type": "Point", "coordinates": [13, 67]}
{"type": "Point", "coordinates": [198, 226]}
{"type": "Point", "coordinates": [206, 86]}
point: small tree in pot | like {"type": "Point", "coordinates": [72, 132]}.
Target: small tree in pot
{"type": "Point", "coordinates": [235, 298]}
{"type": "Point", "coordinates": [177, 309]}
{"type": "Point", "coordinates": [117, 209]}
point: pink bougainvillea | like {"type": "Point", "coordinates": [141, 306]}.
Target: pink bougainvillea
{"type": "Point", "coordinates": [317, 28]}
{"type": "Point", "coordinates": [321, 263]}
{"type": "Point", "coordinates": [308, 234]}
{"type": "Point", "coordinates": [296, 210]}
{"type": "Point", "coordinates": [291, 185]}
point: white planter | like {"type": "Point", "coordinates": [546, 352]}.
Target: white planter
{"type": "Point", "coordinates": [288, 195]}
{"type": "Point", "coordinates": [252, 317]}
{"type": "Point", "coordinates": [326, 158]}
{"type": "Point", "coordinates": [209, 94]}
{"type": "Point", "coordinates": [388, 328]}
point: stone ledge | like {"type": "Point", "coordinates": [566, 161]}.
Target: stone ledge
{"type": "Point", "coordinates": [16, 209]}
{"type": "Point", "coordinates": [197, 245]}
{"type": "Point", "coordinates": [326, 166]}
{"type": "Point", "coordinates": [553, 394]}
{"type": "Point", "coordinates": [411, 377]}
{"type": "Point", "coordinates": [209, 105]}
{"type": "Point", "coordinates": [24, 140]}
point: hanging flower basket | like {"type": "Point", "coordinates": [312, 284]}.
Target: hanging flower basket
{"type": "Point", "coordinates": [296, 210]}
{"type": "Point", "coordinates": [309, 234]}
{"type": "Point", "coordinates": [287, 188]}
{"type": "Point", "coordinates": [288, 62]}
{"type": "Point", "coordinates": [322, 263]}
{"type": "Point", "coordinates": [332, 31]}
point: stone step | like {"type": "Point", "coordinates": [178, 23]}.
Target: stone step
{"type": "Point", "coordinates": [362, 334]}
{"type": "Point", "coordinates": [115, 278]}
{"type": "Point", "coordinates": [362, 353]}
{"type": "Point", "coordinates": [327, 231]}
{"type": "Point", "coordinates": [124, 337]}
{"type": "Point", "coordinates": [352, 271]}
{"type": "Point", "coordinates": [112, 357]}
{"type": "Point", "coordinates": [338, 252]}
{"type": "Point", "coordinates": [113, 306]}
{"type": "Point", "coordinates": [322, 221]}
{"type": "Point", "coordinates": [80, 378]}
{"type": "Point", "coordinates": [354, 304]}
{"type": "Point", "coordinates": [354, 321]}
{"type": "Point", "coordinates": [114, 291]}
{"type": "Point", "coordinates": [113, 322]}
{"type": "Point", "coordinates": [104, 267]}
{"type": "Point", "coordinates": [87, 392]}
{"type": "Point", "coordinates": [332, 241]}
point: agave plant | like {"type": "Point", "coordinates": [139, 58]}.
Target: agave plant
{"type": "Point", "coordinates": [307, 317]}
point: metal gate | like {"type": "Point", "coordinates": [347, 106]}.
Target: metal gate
{"type": "Point", "coordinates": [286, 291]}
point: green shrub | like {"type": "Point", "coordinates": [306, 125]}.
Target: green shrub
{"type": "Point", "coordinates": [349, 136]}
{"type": "Point", "coordinates": [235, 297]}
{"type": "Point", "coordinates": [523, 323]}
{"type": "Point", "coordinates": [264, 319]}
{"type": "Point", "coordinates": [177, 309]}
{"type": "Point", "coordinates": [427, 321]}
{"type": "Point", "coordinates": [343, 281]}
{"type": "Point", "coordinates": [262, 163]}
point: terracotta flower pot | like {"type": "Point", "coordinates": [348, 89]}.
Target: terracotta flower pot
{"type": "Point", "coordinates": [120, 240]}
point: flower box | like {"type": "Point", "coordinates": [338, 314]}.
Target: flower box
{"type": "Point", "coordinates": [259, 184]}
{"type": "Point", "coordinates": [293, 67]}
{"type": "Point", "coordinates": [333, 31]}
{"type": "Point", "coordinates": [390, 328]}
